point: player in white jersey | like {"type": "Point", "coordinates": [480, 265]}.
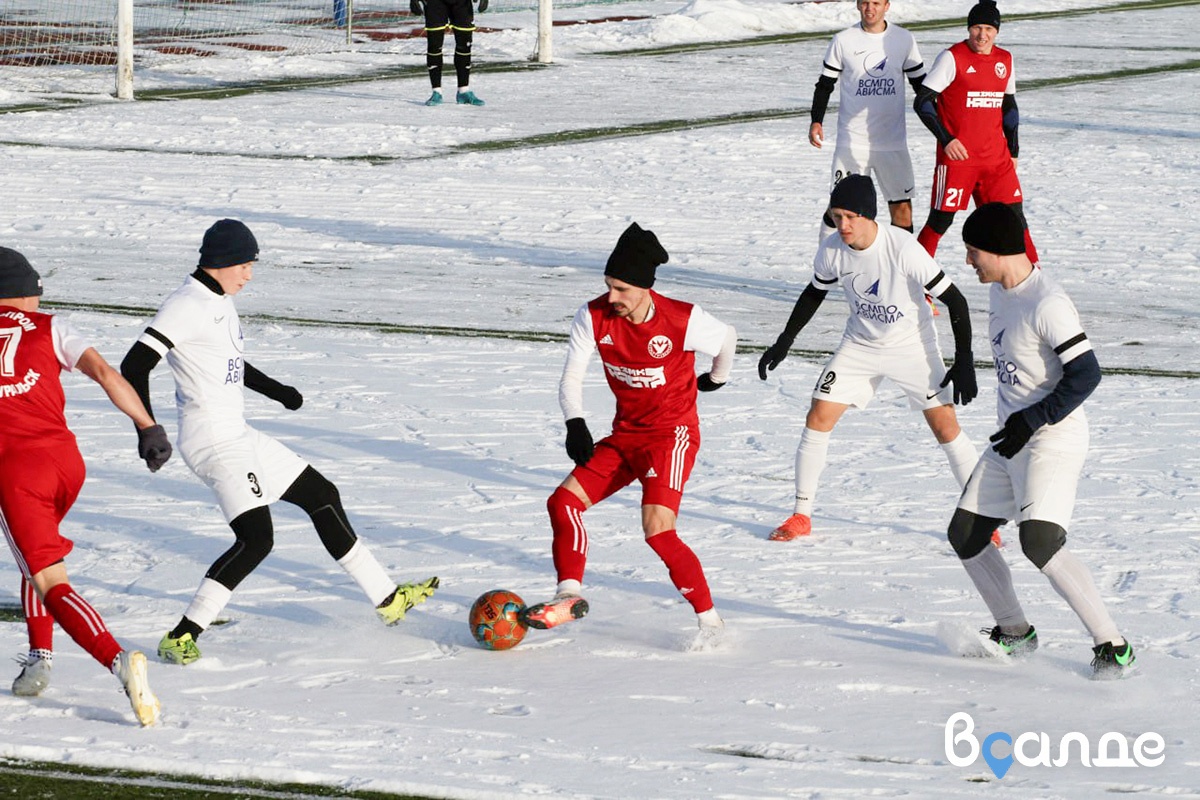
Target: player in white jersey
{"type": "Point", "coordinates": [1045, 369]}
{"type": "Point", "coordinates": [198, 330]}
{"type": "Point", "coordinates": [885, 275]}
{"type": "Point", "coordinates": [870, 61]}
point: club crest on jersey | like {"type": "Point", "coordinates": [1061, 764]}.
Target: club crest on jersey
{"type": "Point", "coordinates": [1006, 371]}
{"type": "Point", "coordinates": [660, 347]}
{"type": "Point", "coordinates": [868, 307]}
{"type": "Point", "coordinates": [877, 83]}
{"type": "Point", "coordinates": [1001, 70]}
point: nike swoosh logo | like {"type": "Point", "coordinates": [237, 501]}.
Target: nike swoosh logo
{"type": "Point", "coordinates": [931, 396]}
{"type": "Point", "coordinates": [218, 319]}
{"type": "Point", "coordinates": [1027, 505]}
{"type": "Point", "coordinates": [909, 189]}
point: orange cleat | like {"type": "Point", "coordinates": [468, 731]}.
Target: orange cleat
{"type": "Point", "coordinates": [794, 527]}
{"type": "Point", "coordinates": [996, 540]}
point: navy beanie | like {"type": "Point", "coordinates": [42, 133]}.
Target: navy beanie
{"type": "Point", "coordinates": [984, 13]}
{"type": "Point", "coordinates": [17, 277]}
{"type": "Point", "coordinates": [635, 257]}
{"type": "Point", "coordinates": [854, 193]}
{"type": "Point", "coordinates": [227, 243]}
{"type": "Point", "coordinates": [995, 228]}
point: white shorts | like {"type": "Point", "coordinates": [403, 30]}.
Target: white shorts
{"type": "Point", "coordinates": [893, 171]}
{"type": "Point", "coordinates": [853, 373]}
{"type": "Point", "coordinates": [250, 471]}
{"type": "Point", "coordinates": [1039, 482]}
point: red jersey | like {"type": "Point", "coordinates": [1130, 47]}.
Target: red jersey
{"type": "Point", "coordinates": [31, 394]}
{"type": "Point", "coordinates": [651, 374]}
{"type": "Point", "coordinates": [971, 90]}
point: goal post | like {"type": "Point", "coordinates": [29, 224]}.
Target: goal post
{"type": "Point", "coordinates": [124, 49]}
{"type": "Point", "coordinates": [545, 30]}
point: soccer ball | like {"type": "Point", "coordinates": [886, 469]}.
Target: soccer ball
{"type": "Point", "coordinates": [494, 622]}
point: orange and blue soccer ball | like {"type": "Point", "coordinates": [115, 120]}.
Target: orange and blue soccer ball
{"type": "Point", "coordinates": [495, 621]}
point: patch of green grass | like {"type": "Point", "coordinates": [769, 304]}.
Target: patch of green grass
{"type": "Point", "coordinates": [34, 780]}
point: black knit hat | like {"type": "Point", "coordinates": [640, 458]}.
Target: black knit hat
{"type": "Point", "coordinates": [984, 13]}
{"type": "Point", "coordinates": [995, 228]}
{"type": "Point", "coordinates": [226, 244]}
{"type": "Point", "coordinates": [855, 193]}
{"type": "Point", "coordinates": [635, 257]}
{"type": "Point", "coordinates": [17, 277]}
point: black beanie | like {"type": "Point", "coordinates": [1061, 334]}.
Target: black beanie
{"type": "Point", "coordinates": [855, 193]}
{"type": "Point", "coordinates": [995, 228]}
{"type": "Point", "coordinates": [635, 257]}
{"type": "Point", "coordinates": [17, 277]}
{"type": "Point", "coordinates": [984, 13]}
{"type": "Point", "coordinates": [227, 243]}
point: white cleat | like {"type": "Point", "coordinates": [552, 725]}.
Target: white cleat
{"type": "Point", "coordinates": [130, 669]}
{"type": "Point", "coordinates": [34, 677]}
{"type": "Point", "coordinates": [712, 631]}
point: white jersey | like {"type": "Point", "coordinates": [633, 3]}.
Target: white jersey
{"type": "Point", "coordinates": [885, 286]}
{"type": "Point", "coordinates": [1034, 329]}
{"type": "Point", "coordinates": [205, 353]}
{"type": "Point", "coordinates": [872, 69]}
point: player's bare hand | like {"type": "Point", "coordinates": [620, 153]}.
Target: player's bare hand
{"type": "Point", "coordinates": [956, 151]}
{"type": "Point", "coordinates": [816, 135]}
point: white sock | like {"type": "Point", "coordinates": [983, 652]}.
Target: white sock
{"type": "Point", "coordinates": [992, 577]}
{"type": "Point", "coordinates": [963, 457]}
{"type": "Point", "coordinates": [1072, 580]}
{"type": "Point", "coordinates": [366, 572]}
{"type": "Point", "coordinates": [208, 602]}
{"type": "Point", "coordinates": [710, 619]}
{"type": "Point", "coordinates": [810, 461]}
{"type": "Point", "coordinates": [568, 587]}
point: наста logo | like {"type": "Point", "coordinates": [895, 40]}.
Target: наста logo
{"type": "Point", "coordinates": [1147, 748]}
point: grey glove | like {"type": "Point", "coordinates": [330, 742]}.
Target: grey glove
{"type": "Point", "coordinates": [154, 446]}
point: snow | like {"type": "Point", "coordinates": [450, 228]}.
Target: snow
{"type": "Point", "coordinates": [833, 680]}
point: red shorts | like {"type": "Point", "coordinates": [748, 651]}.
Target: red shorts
{"type": "Point", "coordinates": [955, 183]}
{"type": "Point", "coordinates": [661, 461]}
{"type": "Point", "coordinates": [37, 488]}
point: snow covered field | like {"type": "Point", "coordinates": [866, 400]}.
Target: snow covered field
{"type": "Point", "coordinates": [833, 681]}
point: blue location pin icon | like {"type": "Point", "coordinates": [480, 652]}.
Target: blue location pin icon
{"type": "Point", "coordinates": [999, 765]}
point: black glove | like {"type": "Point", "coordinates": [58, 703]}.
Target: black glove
{"type": "Point", "coordinates": [416, 8]}
{"type": "Point", "coordinates": [771, 359]}
{"type": "Point", "coordinates": [154, 446]}
{"type": "Point", "coordinates": [290, 398]}
{"type": "Point", "coordinates": [483, 4]}
{"type": "Point", "coordinates": [962, 372]}
{"type": "Point", "coordinates": [579, 441]}
{"type": "Point", "coordinates": [1013, 436]}
{"type": "Point", "coordinates": [705, 383]}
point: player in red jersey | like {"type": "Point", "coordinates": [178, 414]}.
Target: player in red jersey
{"type": "Point", "coordinates": [41, 473]}
{"type": "Point", "coordinates": [968, 101]}
{"type": "Point", "coordinates": [647, 344]}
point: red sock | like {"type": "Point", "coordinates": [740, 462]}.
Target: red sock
{"type": "Point", "coordinates": [37, 620]}
{"type": "Point", "coordinates": [82, 623]}
{"type": "Point", "coordinates": [929, 239]}
{"type": "Point", "coordinates": [1030, 250]}
{"type": "Point", "coordinates": [684, 569]}
{"type": "Point", "coordinates": [570, 537]}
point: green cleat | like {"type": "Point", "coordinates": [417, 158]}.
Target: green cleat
{"type": "Point", "coordinates": [435, 99]}
{"type": "Point", "coordinates": [467, 98]}
{"type": "Point", "coordinates": [397, 604]}
{"type": "Point", "coordinates": [178, 651]}
{"type": "Point", "coordinates": [1013, 644]}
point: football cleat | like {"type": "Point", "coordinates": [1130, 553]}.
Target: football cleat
{"type": "Point", "coordinates": [35, 673]}
{"type": "Point", "coordinates": [467, 98]}
{"type": "Point", "coordinates": [130, 669]}
{"type": "Point", "coordinates": [712, 629]}
{"type": "Point", "coordinates": [996, 540]}
{"type": "Point", "coordinates": [407, 595]}
{"type": "Point", "coordinates": [182, 650]}
{"type": "Point", "coordinates": [793, 527]}
{"type": "Point", "coordinates": [1013, 644]}
{"type": "Point", "coordinates": [435, 99]}
{"type": "Point", "coordinates": [1112, 661]}
{"type": "Point", "coordinates": [563, 608]}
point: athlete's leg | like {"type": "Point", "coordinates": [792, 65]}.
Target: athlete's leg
{"type": "Point", "coordinates": [38, 622]}
{"type": "Point", "coordinates": [901, 213]}
{"type": "Point", "coordinates": [1043, 544]}
{"type": "Point", "coordinates": [822, 416]}
{"type": "Point", "coordinates": [462, 56]}
{"type": "Point", "coordinates": [959, 449]}
{"type": "Point", "coordinates": [75, 615]}
{"type": "Point", "coordinates": [936, 225]}
{"type": "Point", "coordinates": [969, 535]}
{"type": "Point", "coordinates": [435, 40]}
